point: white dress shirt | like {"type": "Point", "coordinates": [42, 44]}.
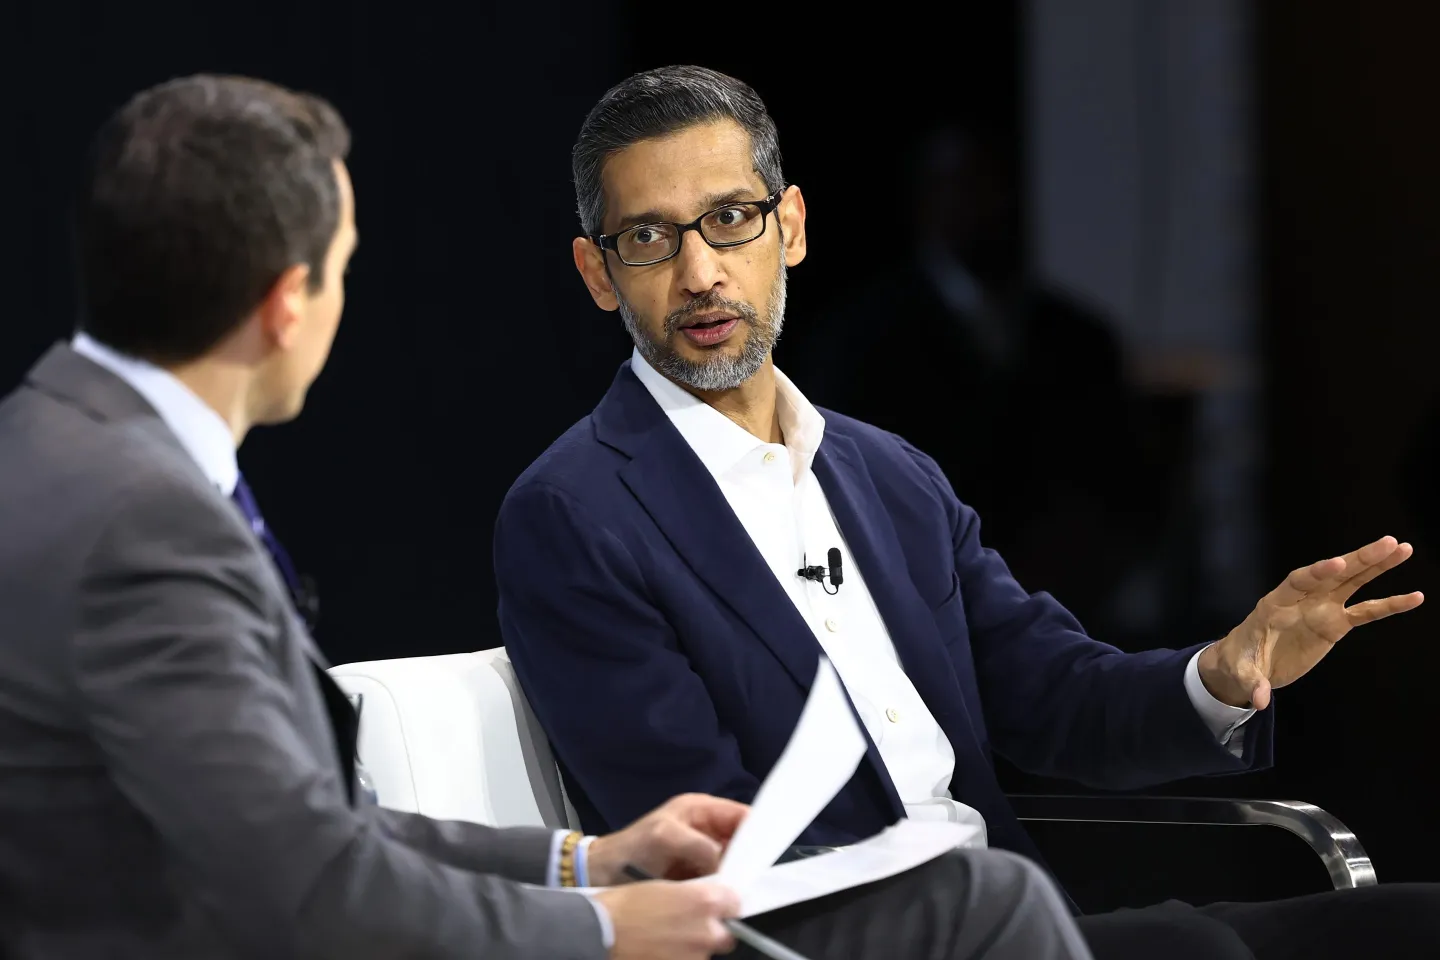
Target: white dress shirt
{"type": "Point", "coordinates": [208, 439]}
{"type": "Point", "coordinates": [776, 497]}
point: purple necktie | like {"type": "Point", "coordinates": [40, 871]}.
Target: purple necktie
{"type": "Point", "coordinates": [302, 591]}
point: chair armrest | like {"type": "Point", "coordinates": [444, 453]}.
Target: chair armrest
{"type": "Point", "coordinates": [1335, 844]}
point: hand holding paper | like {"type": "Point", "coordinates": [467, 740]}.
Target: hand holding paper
{"type": "Point", "coordinates": [819, 760]}
{"type": "Point", "coordinates": [683, 838]}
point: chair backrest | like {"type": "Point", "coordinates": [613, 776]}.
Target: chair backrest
{"type": "Point", "coordinates": [452, 737]}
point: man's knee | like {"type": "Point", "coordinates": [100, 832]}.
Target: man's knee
{"type": "Point", "coordinates": [999, 883]}
{"type": "Point", "coordinates": [997, 872]}
{"type": "Point", "coordinates": [1009, 907]}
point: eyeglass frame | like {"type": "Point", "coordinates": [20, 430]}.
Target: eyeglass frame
{"type": "Point", "coordinates": [767, 205]}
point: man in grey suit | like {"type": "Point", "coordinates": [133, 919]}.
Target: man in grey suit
{"type": "Point", "coordinates": [177, 770]}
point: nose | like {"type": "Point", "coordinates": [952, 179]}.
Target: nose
{"type": "Point", "coordinates": [698, 265]}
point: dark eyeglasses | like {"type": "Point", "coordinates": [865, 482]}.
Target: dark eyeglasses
{"type": "Point", "coordinates": [727, 226]}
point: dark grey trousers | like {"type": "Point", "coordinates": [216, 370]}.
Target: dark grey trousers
{"type": "Point", "coordinates": [964, 905]}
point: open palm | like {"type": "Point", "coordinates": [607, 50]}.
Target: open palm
{"type": "Point", "coordinates": [1297, 623]}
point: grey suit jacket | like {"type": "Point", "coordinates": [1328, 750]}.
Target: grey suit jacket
{"type": "Point", "coordinates": [176, 769]}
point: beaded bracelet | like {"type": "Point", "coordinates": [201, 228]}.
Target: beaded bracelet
{"type": "Point", "coordinates": [568, 846]}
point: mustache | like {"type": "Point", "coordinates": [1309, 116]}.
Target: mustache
{"type": "Point", "coordinates": [709, 303]}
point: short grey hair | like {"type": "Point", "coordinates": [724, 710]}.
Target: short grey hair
{"type": "Point", "coordinates": [658, 103]}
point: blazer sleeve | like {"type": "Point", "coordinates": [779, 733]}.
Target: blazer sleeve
{"type": "Point", "coordinates": [510, 853]}
{"type": "Point", "coordinates": [1058, 703]}
{"type": "Point", "coordinates": [177, 668]}
{"type": "Point", "coordinates": [629, 721]}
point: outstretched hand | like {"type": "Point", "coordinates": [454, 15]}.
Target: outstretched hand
{"type": "Point", "coordinates": [1295, 625]}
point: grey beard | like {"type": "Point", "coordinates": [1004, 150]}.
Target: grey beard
{"type": "Point", "coordinates": [721, 372]}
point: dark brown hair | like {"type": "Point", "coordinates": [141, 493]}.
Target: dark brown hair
{"type": "Point", "coordinates": [655, 104]}
{"type": "Point", "coordinates": [200, 193]}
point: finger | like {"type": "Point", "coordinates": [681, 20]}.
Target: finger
{"type": "Point", "coordinates": [1305, 581]}
{"type": "Point", "coordinates": [1325, 573]}
{"type": "Point", "coordinates": [721, 940]}
{"type": "Point", "coordinates": [717, 903]}
{"type": "Point", "coordinates": [1347, 587]}
{"type": "Point", "coordinates": [1358, 562]}
{"type": "Point", "coordinates": [720, 901]}
{"type": "Point", "coordinates": [685, 851]}
{"type": "Point", "coordinates": [715, 817]}
{"type": "Point", "coordinates": [1372, 610]}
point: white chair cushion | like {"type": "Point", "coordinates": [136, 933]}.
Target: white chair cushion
{"type": "Point", "coordinates": [453, 738]}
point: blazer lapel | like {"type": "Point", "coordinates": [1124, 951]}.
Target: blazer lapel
{"type": "Point", "coordinates": [689, 508]}
{"type": "Point", "coordinates": [681, 496]}
{"type": "Point", "coordinates": [686, 504]}
{"type": "Point", "coordinates": [683, 499]}
{"type": "Point", "coordinates": [875, 545]}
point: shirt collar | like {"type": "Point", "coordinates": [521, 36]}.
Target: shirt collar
{"type": "Point", "coordinates": [202, 432]}
{"type": "Point", "coordinates": [720, 442]}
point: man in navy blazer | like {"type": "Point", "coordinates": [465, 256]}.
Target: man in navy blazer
{"type": "Point", "coordinates": [663, 595]}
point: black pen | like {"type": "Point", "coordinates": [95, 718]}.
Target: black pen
{"type": "Point", "coordinates": [742, 931]}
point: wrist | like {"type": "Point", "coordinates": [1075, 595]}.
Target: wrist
{"type": "Point", "coordinates": [603, 861]}
{"type": "Point", "coordinates": [1218, 679]}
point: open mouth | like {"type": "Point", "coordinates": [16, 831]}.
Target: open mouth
{"type": "Point", "coordinates": [707, 332]}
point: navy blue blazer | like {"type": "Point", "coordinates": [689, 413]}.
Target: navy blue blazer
{"type": "Point", "coordinates": [662, 657]}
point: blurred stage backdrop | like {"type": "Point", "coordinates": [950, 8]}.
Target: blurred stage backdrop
{"type": "Point", "coordinates": [1151, 280]}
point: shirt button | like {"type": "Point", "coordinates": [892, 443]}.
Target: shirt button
{"type": "Point", "coordinates": [832, 625]}
{"type": "Point", "coordinates": [769, 456]}
{"type": "Point", "coordinates": [892, 715]}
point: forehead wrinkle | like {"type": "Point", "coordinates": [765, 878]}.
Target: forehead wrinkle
{"type": "Point", "coordinates": [711, 160]}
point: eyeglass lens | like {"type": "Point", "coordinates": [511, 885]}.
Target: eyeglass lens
{"type": "Point", "coordinates": [737, 223]}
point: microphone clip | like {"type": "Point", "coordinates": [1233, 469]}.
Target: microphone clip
{"type": "Point", "coordinates": [819, 574]}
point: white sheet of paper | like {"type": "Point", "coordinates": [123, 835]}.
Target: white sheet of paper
{"type": "Point", "coordinates": [820, 758]}
{"type": "Point", "coordinates": [902, 847]}
{"type": "Point", "coordinates": [824, 750]}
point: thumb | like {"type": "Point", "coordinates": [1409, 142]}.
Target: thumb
{"type": "Point", "coordinates": [1260, 692]}
{"type": "Point", "coordinates": [719, 900]}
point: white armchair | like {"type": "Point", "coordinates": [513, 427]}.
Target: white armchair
{"type": "Point", "coordinates": [453, 738]}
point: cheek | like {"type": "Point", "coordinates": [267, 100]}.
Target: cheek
{"type": "Point", "coordinates": [335, 298]}
{"type": "Point", "coordinates": [323, 321]}
{"type": "Point", "coordinates": [650, 296]}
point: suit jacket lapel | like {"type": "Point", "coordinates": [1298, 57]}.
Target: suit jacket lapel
{"type": "Point", "coordinates": [875, 545]}
{"type": "Point", "coordinates": [682, 497]}
{"type": "Point", "coordinates": [685, 502]}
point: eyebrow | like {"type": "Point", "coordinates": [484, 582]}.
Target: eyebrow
{"type": "Point", "coordinates": [711, 201]}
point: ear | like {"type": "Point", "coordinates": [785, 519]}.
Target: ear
{"type": "Point", "coordinates": [283, 307]}
{"type": "Point", "coordinates": [590, 261]}
{"type": "Point", "coordinates": [791, 215]}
